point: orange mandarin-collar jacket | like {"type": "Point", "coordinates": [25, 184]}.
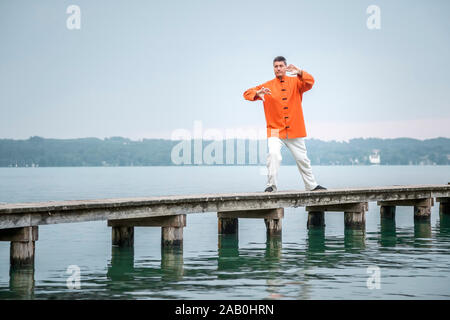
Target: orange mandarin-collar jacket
{"type": "Point", "coordinates": [283, 107]}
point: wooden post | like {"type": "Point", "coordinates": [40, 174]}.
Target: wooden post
{"type": "Point", "coordinates": [22, 248]}
{"type": "Point", "coordinates": [387, 212]}
{"type": "Point", "coordinates": [122, 236]}
{"type": "Point", "coordinates": [228, 226]}
{"type": "Point", "coordinates": [22, 253]}
{"type": "Point", "coordinates": [355, 219]}
{"type": "Point", "coordinates": [422, 209]}
{"type": "Point", "coordinates": [444, 206]}
{"type": "Point", "coordinates": [273, 227]}
{"type": "Point", "coordinates": [316, 219]}
{"type": "Point", "coordinates": [171, 236]}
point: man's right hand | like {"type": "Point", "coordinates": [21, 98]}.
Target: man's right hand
{"type": "Point", "coordinates": [261, 92]}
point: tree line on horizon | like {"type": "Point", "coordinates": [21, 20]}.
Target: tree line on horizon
{"type": "Point", "coordinates": [118, 151]}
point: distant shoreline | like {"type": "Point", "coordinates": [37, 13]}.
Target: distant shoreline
{"type": "Point", "coordinates": [122, 152]}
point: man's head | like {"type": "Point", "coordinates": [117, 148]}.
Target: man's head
{"type": "Point", "coordinates": [279, 66]}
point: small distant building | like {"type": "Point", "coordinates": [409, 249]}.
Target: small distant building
{"type": "Point", "coordinates": [374, 158]}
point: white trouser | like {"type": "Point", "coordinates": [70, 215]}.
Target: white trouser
{"type": "Point", "coordinates": [298, 150]}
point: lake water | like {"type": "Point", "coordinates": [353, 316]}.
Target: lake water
{"type": "Point", "coordinates": [330, 263]}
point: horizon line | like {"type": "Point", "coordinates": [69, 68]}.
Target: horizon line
{"type": "Point", "coordinates": [229, 138]}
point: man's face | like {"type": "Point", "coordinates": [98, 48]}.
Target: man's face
{"type": "Point", "coordinates": [279, 68]}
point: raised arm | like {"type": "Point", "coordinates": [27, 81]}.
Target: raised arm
{"type": "Point", "coordinates": [305, 81]}
{"type": "Point", "coordinates": [256, 93]}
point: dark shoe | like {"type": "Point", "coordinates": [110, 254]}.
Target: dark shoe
{"type": "Point", "coordinates": [270, 189]}
{"type": "Point", "coordinates": [319, 187]}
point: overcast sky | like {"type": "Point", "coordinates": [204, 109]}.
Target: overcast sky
{"type": "Point", "coordinates": [142, 69]}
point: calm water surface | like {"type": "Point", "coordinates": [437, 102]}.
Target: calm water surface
{"type": "Point", "coordinates": [329, 263]}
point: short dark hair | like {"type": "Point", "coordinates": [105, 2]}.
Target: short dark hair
{"type": "Point", "coordinates": [280, 58]}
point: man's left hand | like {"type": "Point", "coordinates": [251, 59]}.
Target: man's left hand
{"type": "Point", "coordinates": [293, 69]}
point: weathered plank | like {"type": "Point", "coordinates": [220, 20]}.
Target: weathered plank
{"type": "Point", "coordinates": [409, 202]}
{"type": "Point", "coordinates": [275, 213]}
{"type": "Point", "coordinates": [19, 234]}
{"type": "Point", "coordinates": [165, 221]}
{"type": "Point", "coordinates": [348, 207]}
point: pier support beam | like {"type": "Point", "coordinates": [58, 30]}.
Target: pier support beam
{"type": "Point", "coordinates": [422, 207]}
{"type": "Point", "coordinates": [22, 246]}
{"type": "Point", "coordinates": [316, 219]}
{"type": "Point", "coordinates": [122, 236]}
{"type": "Point", "coordinates": [387, 212]}
{"type": "Point", "coordinates": [228, 225]}
{"type": "Point", "coordinates": [228, 220]}
{"type": "Point", "coordinates": [354, 214]}
{"type": "Point", "coordinates": [171, 229]}
{"type": "Point", "coordinates": [171, 236]}
{"type": "Point", "coordinates": [273, 227]}
{"type": "Point", "coordinates": [355, 219]}
{"type": "Point", "coordinates": [444, 206]}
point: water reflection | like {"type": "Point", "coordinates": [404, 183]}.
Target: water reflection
{"type": "Point", "coordinates": [122, 264]}
{"type": "Point", "coordinates": [172, 263]}
{"type": "Point", "coordinates": [422, 234]}
{"type": "Point", "coordinates": [388, 232]}
{"type": "Point", "coordinates": [228, 254]}
{"type": "Point", "coordinates": [297, 269]}
{"type": "Point", "coordinates": [273, 248]}
{"type": "Point", "coordinates": [315, 242]}
{"type": "Point", "coordinates": [21, 282]}
{"type": "Point", "coordinates": [354, 240]}
{"type": "Point", "coordinates": [444, 225]}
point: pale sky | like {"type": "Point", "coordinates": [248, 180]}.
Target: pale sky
{"type": "Point", "coordinates": [142, 69]}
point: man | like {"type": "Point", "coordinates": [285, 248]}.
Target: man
{"type": "Point", "coordinates": [282, 99]}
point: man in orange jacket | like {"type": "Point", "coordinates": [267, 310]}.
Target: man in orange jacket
{"type": "Point", "coordinates": [282, 99]}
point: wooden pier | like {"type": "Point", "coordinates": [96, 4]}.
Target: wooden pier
{"type": "Point", "coordinates": [19, 221]}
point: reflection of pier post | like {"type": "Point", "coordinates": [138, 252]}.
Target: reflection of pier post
{"type": "Point", "coordinates": [228, 249]}
{"type": "Point", "coordinates": [444, 216]}
{"type": "Point", "coordinates": [21, 282]}
{"type": "Point", "coordinates": [315, 241]}
{"type": "Point", "coordinates": [272, 258]}
{"type": "Point", "coordinates": [273, 247]}
{"type": "Point", "coordinates": [388, 233]}
{"type": "Point", "coordinates": [422, 234]}
{"type": "Point", "coordinates": [122, 263]}
{"type": "Point", "coordinates": [354, 239]}
{"type": "Point", "coordinates": [172, 262]}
